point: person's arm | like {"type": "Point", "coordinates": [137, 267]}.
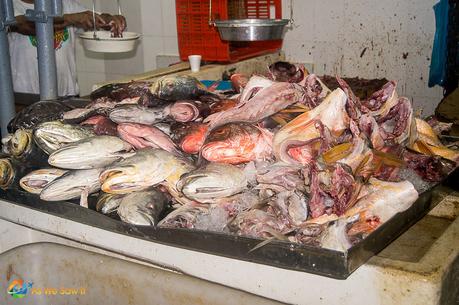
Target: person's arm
{"type": "Point", "coordinates": [83, 20]}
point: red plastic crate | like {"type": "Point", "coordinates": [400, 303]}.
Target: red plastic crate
{"type": "Point", "coordinates": [196, 36]}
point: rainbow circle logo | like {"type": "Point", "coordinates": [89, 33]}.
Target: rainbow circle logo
{"type": "Point", "coordinates": [18, 289]}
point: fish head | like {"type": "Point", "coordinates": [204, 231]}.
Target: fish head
{"type": "Point", "coordinates": [121, 179]}
{"type": "Point", "coordinates": [192, 142]}
{"type": "Point", "coordinates": [212, 181]}
{"type": "Point", "coordinates": [231, 143]}
{"type": "Point", "coordinates": [7, 173]}
{"type": "Point", "coordinates": [176, 87]}
{"type": "Point", "coordinates": [35, 181]}
{"type": "Point", "coordinates": [20, 143]}
{"type": "Point", "coordinates": [184, 111]}
{"type": "Point", "coordinates": [108, 203]}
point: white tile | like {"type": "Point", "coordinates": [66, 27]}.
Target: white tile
{"type": "Point", "coordinates": [153, 46]}
{"type": "Point", "coordinates": [327, 58]}
{"type": "Point", "coordinates": [87, 79]}
{"type": "Point", "coordinates": [88, 61]}
{"type": "Point", "coordinates": [169, 18]}
{"type": "Point", "coordinates": [125, 63]}
{"type": "Point", "coordinates": [425, 104]}
{"type": "Point", "coordinates": [170, 46]}
{"type": "Point", "coordinates": [152, 21]}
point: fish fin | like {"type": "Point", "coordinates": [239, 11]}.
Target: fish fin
{"type": "Point", "coordinates": [263, 243]}
{"type": "Point", "coordinates": [84, 197]}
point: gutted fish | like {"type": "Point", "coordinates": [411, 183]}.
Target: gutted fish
{"type": "Point", "coordinates": [93, 152]}
{"type": "Point", "coordinates": [142, 208]}
{"type": "Point", "coordinates": [51, 136]}
{"type": "Point", "coordinates": [308, 128]}
{"type": "Point", "coordinates": [35, 181]}
{"type": "Point", "coordinates": [263, 104]}
{"type": "Point", "coordinates": [211, 182]}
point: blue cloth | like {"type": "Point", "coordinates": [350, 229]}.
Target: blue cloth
{"type": "Point", "coordinates": [223, 85]}
{"type": "Point", "coordinates": [438, 67]}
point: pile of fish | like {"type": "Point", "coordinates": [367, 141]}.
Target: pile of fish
{"type": "Point", "coordinates": [280, 156]}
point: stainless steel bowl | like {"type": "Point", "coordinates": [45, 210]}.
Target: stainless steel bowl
{"type": "Point", "coordinates": [251, 29]}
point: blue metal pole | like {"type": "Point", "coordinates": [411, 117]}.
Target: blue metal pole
{"type": "Point", "coordinates": [6, 83]}
{"type": "Point", "coordinates": [43, 13]}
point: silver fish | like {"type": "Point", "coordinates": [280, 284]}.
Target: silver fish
{"type": "Point", "coordinates": [35, 181]}
{"type": "Point", "coordinates": [142, 208]}
{"type": "Point", "coordinates": [147, 167]}
{"type": "Point", "coordinates": [108, 203]}
{"type": "Point", "coordinates": [73, 184]}
{"type": "Point", "coordinates": [93, 152]}
{"type": "Point", "coordinates": [139, 114]}
{"type": "Point", "coordinates": [212, 181]}
{"type": "Point", "coordinates": [50, 136]}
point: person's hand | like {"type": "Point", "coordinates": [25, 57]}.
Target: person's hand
{"type": "Point", "coordinates": [84, 20]}
{"type": "Point", "coordinates": [117, 23]}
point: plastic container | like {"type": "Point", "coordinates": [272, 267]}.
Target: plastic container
{"type": "Point", "coordinates": [104, 43]}
{"type": "Point", "coordinates": [61, 274]}
{"type": "Point", "coordinates": [196, 36]}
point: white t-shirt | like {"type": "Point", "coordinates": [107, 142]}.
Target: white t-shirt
{"type": "Point", "coordinates": [23, 53]}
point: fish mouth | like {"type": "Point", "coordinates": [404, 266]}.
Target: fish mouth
{"type": "Point", "coordinates": [119, 180]}
{"type": "Point", "coordinates": [20, 143]}
{"type": "Point", "coordinates": [6, 173]}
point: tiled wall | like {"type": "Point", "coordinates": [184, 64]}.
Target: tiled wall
{"type": "Point", "coordinates": [154, 19]}
{"type": "Point", "coordinates": [366, 38]}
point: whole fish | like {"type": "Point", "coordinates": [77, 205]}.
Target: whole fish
{"type": "Point", "coordinates": [120, 92]}
{"type": "Point", "coordinates": [143, 136]}
{"type": "Point", "coordinates": [265, 103]}
{"type": "Point", "coordinates": [35, 181]}
{"type": "Point", "coordinates": [93, 152]}
{"type": "Point", "coordinates": [178, 87]}
{"type": "Point", "coordinates": [22, 147]}
{"type": "Point", "coordinates": [73, 184]}
{"type": "Point", "coordinates": [236, 143]}
{"type": "Point", "coordinates": [142, 208]}
{"type": "Point", "coordinates": [108, 203]}
{"type": "Point", "coordinates": [37, 113]}
{"type": "Point", "coordinates": [139, 114]}
{"type": "Point", "coordinates": [211, 182]}
{"type": "Point", "coordinates": [101, 125]}
{"type": "Point", "coordinates": [147, 167]}
{"type": "Point", "coordinates": [53, 135]}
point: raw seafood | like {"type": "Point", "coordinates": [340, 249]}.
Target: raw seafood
{"type": "Point", "coordinates": [142, 208]}
{"type": "Point", "coordinates": [236, 143]}
{"type": "Point", "coordinates": [93, 152]}
{"type": "Point", "coordinates": [35, 181]}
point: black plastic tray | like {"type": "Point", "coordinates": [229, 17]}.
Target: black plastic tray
{"type": "Point", "coordinates": [279, 254]}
